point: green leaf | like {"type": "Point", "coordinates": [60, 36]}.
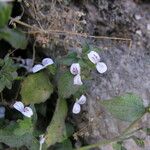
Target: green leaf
{"type": "Point", "coordinates": [51, 69]}
{"type": "Point", "coordinates": [138, 141]}
{"type": "Point", "coordinates": [5, 12]}
{"type": "Point", "coordinates": [128, 107]}
{"type": "Point", "coordinates": [18, 134]}
{"type": "Point", "coordinates": [16, 38]}
{"type": "Point", "coordinates": [23, 126]}
{"type": "Point", "coordinates": [15, 141]}
{"type": "Point", "coordinates": [36, 88]}
{"type": "Point", "coordinates": [69, 59]}
{"type": "Point", "coordinates": [65, 145]}
{"type": "Point", "coordinates": [8, 69]}
{"type": "Point", "coordinates": [66, 88]}
{"type": "Point", "coordinates": [117, 146]}
{"type": "Point", "coordinates": [56, 131]}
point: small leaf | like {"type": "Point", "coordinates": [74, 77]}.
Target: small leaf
{"type": "Point", "coordinates": [5, 12]}
{"type": "Point", "coordinates": [8, 69]}
{"type": "Point", "coordinates": [56, 131]}
{"type": "Point", "coordinates": [69, 59]}
{"type": "Point", "coordinates": [14, 37]}
{"type": "Point", "coordinates": [23, 126]}
{"type": "Point", "coordinates": [117, 146]}
{"type": "Point", "coordinates": [66, 88]}
{"type": "Point", "coordinates": [36, 88]}
{"type": "Point", "coordinates": [138, 141]}
{"type": "Point", "coordinates": [18, 134]}
{"type": "Point", "coordinates": [65, 145]}
{"type": "Point", "coordinates": [51, 69]}
{"type": "Point", "coordinates": [128, 107]}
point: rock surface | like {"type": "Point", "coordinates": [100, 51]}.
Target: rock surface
{"type": "Point", "coordinates": [128, 63]}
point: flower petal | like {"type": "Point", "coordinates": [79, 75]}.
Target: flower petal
{"type": "Point", "coordinates": [19, 106]}
{"type": "Point", "coordinates": [42, 139]}
{"type": "Point", "coordinates": [2, 110]}
{"type": "Point", "coordinates": [37, 68]}
{"type": "Point", "coordinates": [81, 100]}
{"type": "Point", "coordinates": [101, 67]}
{"type": "Point", "coordinates": [76, 108]}
{"type": "Point", "coordinates": [75, 68]}
{"type": "Point", "coordinates": [29, 62]}
{"type": "Point", "coordinates": [47, 61]}
{"type": "Point", "coordinates": [93, 57]}
{"type": "Point", "coordinates": [77, 80]}
{"type": "Point", "coordinates": [27, 111]}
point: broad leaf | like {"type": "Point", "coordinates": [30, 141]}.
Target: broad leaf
{"type": "Point", "coordinates": [5, 12]}
{"type": "Point", "coordinates": [128, 107]}
{"type": "Point", "coordinates": [8, 69]}
{"type": "Point", "coordinates": [66, 88]}
{"type": "Point", "coordinates": [27, 140]}
{"type": "Point", "coordinates": [16, 38]}
{"type": "Point", "coordinates": [18, 134]}
{"type": "Point", "coordinates": [36, 88]}
{"type": "Point", "coordinates": [56, 131]}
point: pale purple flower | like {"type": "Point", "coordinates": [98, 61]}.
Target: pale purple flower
{"type": "Point", "coordinates": [77, 105]}
{"type": "Point", "coordinates": [45, 62]}
{"type": "Point", "coordinates": [101, 67]}
{"type": "Point", "coordinates": [95, 59]}
{"type": "Point", "coordinates": [77, 80]}
{"type": "Point", "coordinates": [26, 111]}
{"type": "Point", "coordinates": [75, 68]}
{"type": "Point", "coordinates": [41, 141]}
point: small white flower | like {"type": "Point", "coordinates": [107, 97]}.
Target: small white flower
{"type": "Point", "coordinates": [77, 80]}
{"type": "Point", "coordinates": [76, 107]}
{"type": "Point", "coordinates": [93, 57]}
{"type": "Point", "coordinates": [37, 68]}
{"type": "Point", "coordinates": [41, 141]}
{"type": "Point", "coordinates": [26, 111]}
{"type": "Point", "coordinates": [101, 67]}
{"type": "Point", "coordinates": [47, 61]}
{"type": "Point", "coordinates": [82, 100]}
{"type": "Point", "coordinates": [75, 68]}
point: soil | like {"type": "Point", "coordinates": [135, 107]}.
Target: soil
{"type": "Point", "coordinates": [128, 65]}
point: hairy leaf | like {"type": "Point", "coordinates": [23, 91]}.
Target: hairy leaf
{"type": "Point", "coordinates": [66, 88]}
{"type": "Point", "coordinates": [36, 88]}
{"type": "Point", "coordinates": [128, 107]}
{"type": "Point", "coordinates": [69, 59]}
{"type": "Point", "coordinates": [56, 131]}
{"type": "Point", "coordinates": [8, 69]}
{"type": "Point", "coordinates": [18, 134]}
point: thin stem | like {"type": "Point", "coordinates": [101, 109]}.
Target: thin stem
{"type": "Point", "coordinates": [60, 32]}
{"type": "Point", "coordinates": [33, 55]}
{"type": "Point", "coordinates": [2, 99]}
{"type": "Point", "coordinates": [105, 142]}
{"type": "Point", "coordinates": [40, 147]}
{"type": "Point", "coordinates": [132, 125]}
